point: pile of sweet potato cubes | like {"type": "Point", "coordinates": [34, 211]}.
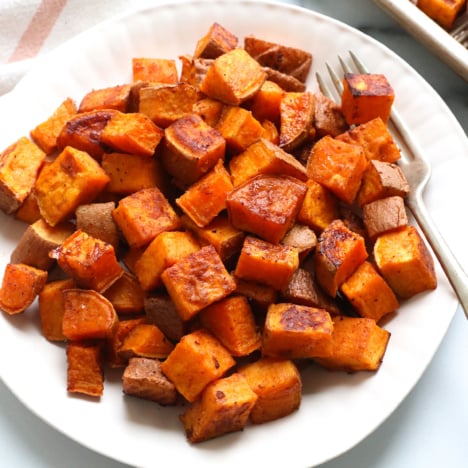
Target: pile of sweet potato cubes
{"type": "Point", "coordinates": [206, 230]}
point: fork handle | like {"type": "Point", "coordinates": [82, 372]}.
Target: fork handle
{"type": "Point", "coordinates": [453, 270]}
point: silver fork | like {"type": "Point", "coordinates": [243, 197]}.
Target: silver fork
{"type": "Point", "coordinates": [418, 173]}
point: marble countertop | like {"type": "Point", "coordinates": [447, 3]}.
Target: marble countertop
{"type": "Point", "coordinates": [429, 428]}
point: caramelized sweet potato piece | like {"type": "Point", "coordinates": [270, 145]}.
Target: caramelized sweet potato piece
{"type": "Point", "coordinates": [126, 295]}
{"type": "Point", "coordinates": [143, 378]}
{"type": "Point", "coordinates": [28, 212]}
{"type": "Point", "coordinates": [133, 133]}
{"type": "Point", "coordinates": [91, 262]}
{"type": "Point", "coordinates": [266, 205]}
{"type": "Point", "coordinates": [154, 70]}
{"type": "Point", "coordinates": [224, 82]}
{"type": "Point", "coordinates": [166, 249]}
{"type": "Point", "coordinates": [339, 252]}
{"type": "Point", "coordinates": [223, 407]}
{"type": "Point", "coordinates": [266, 102]}
{"type": "Point", "coordinates": [301, 237]}
{"type": "Point", "coordinates": [264, 157]}
{"type": "Point", "coordinates": [113, 97]}
{"type": "Point", "coordinates": [84, 372]}
{"type": "Point", "coordinates": [197, 281]}
{"type": "Point", "coordinates": [328, 118]}
{"type": "Point", "coordinates": [52, 308]}
{"type": "Point", "coordinates": [37, 241]}
{"type": "Point", "coordinates": [444, 12]}
{"type": "Point", "coordinates": [231, 320]}
{"type": "Point", "coordinates": [197, 359]}
{"type": "Point", "coordinates": [45, 134]}
{"type": "Point", "coordinates": [72, 179]}
{"type": "Point", "coordinates": [191, 149]}
{"type": "Point", "coordinates": [164, 104]}
{"type": "Point", "coordinates": [217, 41]}
{"type": "Point", "coordinates": [209, 110]}
{"type": "Point", "coordinates": [20, 164]}
{"type": "Point", "coordinates": [365, 97]}
{"type": "Point", "coordinates": [295, 331]}
{"type": "Point", "coordinates": [88, 315]}
{"type": "Point", "coordinates": [206, 198]}
{"type": "Point", "coordinates": [278, 385]}
{"type": "Point", "coordinates": [287, 83]}
{"type": "Point", "coordinates": [266, 263]}
{"type": "Point", "coordinates": [405, 262]}
{"type": "Point", "coordinates": [20, 286]}
{"type": "Point", "coordinates": [358, 344]}
{"type": "Point", "coordinates": [143, 215]}
{"type": "Point", "coordinates": [259, 295]}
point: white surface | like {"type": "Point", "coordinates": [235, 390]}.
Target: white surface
{"type": "Point", "coordinates": [444, 166]}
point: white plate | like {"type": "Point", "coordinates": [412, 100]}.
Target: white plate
{"type": "Point", "coordinates": [338, 410]}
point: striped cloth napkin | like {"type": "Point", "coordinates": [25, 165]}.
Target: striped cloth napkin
{"type": "Point", "coordinates": [30, 28]}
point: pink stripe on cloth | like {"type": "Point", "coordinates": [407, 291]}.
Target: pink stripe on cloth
{"type": "Point", "coordinates": [38, 29]}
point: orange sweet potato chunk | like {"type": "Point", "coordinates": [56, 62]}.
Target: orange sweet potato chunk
{"type": "Point", "coordinates": [72, 179]}
{"type": "Point", "coordinates": [20, 286]}
{"type": "Point", "coordinates": [197, 360]}
{"type": "Point", "coordinates": [444, 12]}
{"type": "Point", "coordinates": [224, 82]}
{"type": "Point", "coordinates": [113, 97]}
{"type": "Point", "coordinates": [217, 41]}
{"type": "Point", "coordinates": [266, 102]}
{"type": "Point", "coordinates": [126, 295]}
{"type": "Point", "coordinates": [154, 70]}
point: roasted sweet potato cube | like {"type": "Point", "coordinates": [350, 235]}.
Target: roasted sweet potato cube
{"type": "Point", "coordinates": [126, 295]}
{"type": "Point", "coordinates": [45, 134]}
{"type": "Point", "coordinates": [37, 241]}
{"type": "Point", "coordinates": [375, 138]}
{"type": "Point", "coordinates": [266, 102]}
{"type": "Point", "coordinates": [278, 385]}
{"type": "Point", "coordinates": [358, 344]}
{"type": "Point", "coordinates": [232, 321]}
{"type": "Point", "coordinates": [304, 290]}
{"type": "Point", "coordinates": [133, 133]}
{"type": "Point", "coordinates": [20, 286]}
{"type": "Point", "coordinates": [206, 198]}
{"type": "Point", "coordinates": [270, 132]}
{"type": "Point", "coordinates": [301, 237]}
{"type": "Point", "coordinates": [196, 281]}
{"type": "Point", "coordinates": [266, 205]}
{"type": "Point", "coordinates": [166, 249]}
{"type": "Point", "coordinates": [91, 262]}
{"type": "Point", "coordinates": [224, 82]}
{"type": "Point", "coordinates": [217, 41]}
{"type": "Point", "coordinates": [220, 233]}
{"type": "Point", "coordinates": [113, 97]}
{"type": "Point", "coordinates": [384, 215]}
{"type": "Point", "coordinates": [143, 378]}
{"type": "Point", "coordinates": [72, 179]}
{"type": "Point", "coordinates": [145, 340]}
{"type": "Point", "coordinates": [338, 253]}
{"type": "Point", "coordinates": [295, 331]}
{"type": "Point", "coordinates": [239, 128]}
{"type": "Point", "coordinates": [197, 359]}
{"type": "Point", "coordinates": [51, 308]}
{"type": "Point", "coordinates": [267, 263]}
{"type": "Point", "coordinates": [405, 262]}
{"type": "Point", "coordinates": [366, 97]}
{"type": "Point", "coordinates": [164, 104]}
{"type": "Point", "coordinates": [191, 149]}
{"type": "Point", "coordinates": [380, 180]}
{"type": "Point", "coordinates": [142, 215]}
{"type": "Point", "coordinates": [88, 315]}
{"type": "Point", "coordinates": [260, 295]}
{"type": "Point", "coordinates": [264, 157]}
{"type": "Point", "coordinates": [28, 212]}
{"type": "Point", "coordinates": [83, 132]}
{"type": "Point", "coordinates": [209, 110]}
{"type": "Point", "coordinates": [96, 220]}
{"type": "Point", "coordinates": [129, 173]}
{"type": "Point", "coordinates": [154, 70]}
{"type": "Point", "coordinates": [296, 119]}
{"type": "Point", "coordinates": [319, 208]}
{"type": "Point", "coordinates": [84, 372]}
{"type": "Point", "coordinates": [338, 166]}
{"type": "Point", "coordinates": [161, 311]}
{"type": "Point", "coordinates": [223, 407]}
{"type": "Point", "coordinates": [193, 70]}
{"type": "Point", "coordinates": [20, 164]}
{"type": "Point", "coordinates": [369, 294]}
{"type": "Point", "coordinates": [442, 11]}
{"type": "Point", "coordinates": [287, 82]}
{"type": "Point", "coordinates": [328, 118]}
{"type": "Point", "coordinates": [285, 59]}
